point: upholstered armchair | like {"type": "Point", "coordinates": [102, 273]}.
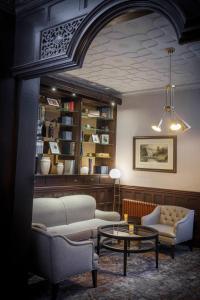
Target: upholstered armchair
{"type": "Point", "coordinates": [55, 257]}
{"type": "Point", "coordinates": [174, 224]}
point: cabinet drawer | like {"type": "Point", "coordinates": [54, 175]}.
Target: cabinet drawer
{"type": "Point", "coordinates": [106, 179]}
{"type": "Point", "coordinates": [91, 179]}
{"type": "Point", "coordinates": [71, 179]}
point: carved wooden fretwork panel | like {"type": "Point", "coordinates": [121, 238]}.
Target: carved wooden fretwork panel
{"type": "Point", "coordinates": [55, 40]}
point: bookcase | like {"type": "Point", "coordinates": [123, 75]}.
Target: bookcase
{"type": "Point", "coordinates": [76, 132]}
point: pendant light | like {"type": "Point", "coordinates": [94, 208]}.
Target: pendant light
{"type": "Point", "coordinates": [170, 118]}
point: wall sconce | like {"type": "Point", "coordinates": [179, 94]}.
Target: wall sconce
{"type": "Point", "coordinates": [115, 174]}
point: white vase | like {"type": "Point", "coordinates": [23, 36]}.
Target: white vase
{"type": "Point", "coordinates": [60, 168]}
{"type": "Point", "coordinates": [45, 164]}
{"type": "Point", "coordinates": [84, 170]}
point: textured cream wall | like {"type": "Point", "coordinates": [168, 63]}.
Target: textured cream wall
{"type": "Point", "coordinates": [135, 117]}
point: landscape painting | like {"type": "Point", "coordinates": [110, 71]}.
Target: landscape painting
{"type": "Point", "coordinates": [155, 153]}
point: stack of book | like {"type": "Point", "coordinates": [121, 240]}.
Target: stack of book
{"type": "Point", "coordinates": [67, 135]}
{"type": "Point", "coordinates": [69, 106]}
{"type": "Point", "coordinates": [67, 120]}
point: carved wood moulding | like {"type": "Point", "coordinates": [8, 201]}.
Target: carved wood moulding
{"type": "Point", "coordinates": [55, 40]}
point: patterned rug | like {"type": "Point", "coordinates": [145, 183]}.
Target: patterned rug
{"type": "Point", "coordinates": [175, 279]}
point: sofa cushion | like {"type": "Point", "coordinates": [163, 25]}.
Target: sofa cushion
{"type": "Point", "coordinates": [80, 230]}
{"type": "Point", "coordinates": [164, 230]}
{"type": "Point", "coordinates": [49, 211]}
{"type": "Point", "coordinates": [79, 207]}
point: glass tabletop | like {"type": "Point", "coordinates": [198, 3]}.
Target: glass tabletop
{"type": "Point", "coordinates": [128, 231]}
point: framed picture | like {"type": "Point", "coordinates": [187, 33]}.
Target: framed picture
{"type": "Point", "coordinates": [95, 138]}
{"type": "Point", "coordinates": [155, 153]}
{"type": "Point", "coordinates": [53, 102]}
{"type": "Point", "coordinates": [54, 148]}
{"type": "Point", "coordinates": [104, 139]}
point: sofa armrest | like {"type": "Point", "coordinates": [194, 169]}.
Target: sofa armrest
{"type": "Point", "coordinates": [184, 228]}
{"type": "Point", "coordinates": [107, 215]}
{"type": "Point", "coordinates": [152, 218]}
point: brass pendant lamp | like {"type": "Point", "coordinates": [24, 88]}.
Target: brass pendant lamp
{"type": "Point", "coordinates": [170, 118]}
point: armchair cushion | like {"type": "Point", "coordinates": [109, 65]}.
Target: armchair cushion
{"type": "Point", "coordinates": [165, 230]}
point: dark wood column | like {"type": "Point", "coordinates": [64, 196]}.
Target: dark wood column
{"type": "Point", "coordinates": [18, 115]}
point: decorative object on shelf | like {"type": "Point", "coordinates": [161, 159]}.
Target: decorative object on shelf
{"type": "Point", "coordinates": [84, 170]}
{"type": "Point", "coordinates": [51, 131]}
{"type": "Point", "coordinates": [69, 167]}
{"type": "Point", "coordinates": [53, 102]}
{"type": "Point", "coordinates": [95, 138]}
{"type": "Point", "coordinates": [103, 155]}
{"type": "Point", "coordinates": [94, 113]}
{"type": "Point", "coordinates": [91, 154]}
{"type": "Point", "coordinates": [45, 164]}
{"type": "Point", "coordinates": [106, 112]}
{"type": "Point", "coordinates": [155, 153]}
{"type": "Point", "coordinates": [104, 138]}
{"type": "Point", "coordinates": [60, 168]}
{"type": "Point", "coordinates": [39, 147]}
{"type": "Point", "coordinates": [170, 119]}
{"type": "Point", "coordinates": [115, 174]}
{"type": "Point", "coordinates": [54, 148]}
{"type": "Point", "coordinates": [86, 137]}
{"type": "Point", "coordinates": [101, 169]}
{"type": "Point", "coordinates": [90, 164]}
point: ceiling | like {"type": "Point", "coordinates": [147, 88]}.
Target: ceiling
{"type": "Point", "coordinates": [129, 57]}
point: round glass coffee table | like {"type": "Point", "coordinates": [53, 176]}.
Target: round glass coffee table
{"type": "Point", "coordinates": [128, 238]}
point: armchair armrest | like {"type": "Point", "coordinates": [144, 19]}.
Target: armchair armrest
{"type": "Point", "coordinates": [184, 228]}
{"type": "Point", "coordinates": [107, 215]}
{"type": "Point", "coordinates": [152, 218]}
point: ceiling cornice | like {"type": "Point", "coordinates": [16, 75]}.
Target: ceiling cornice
{"type": "Point", "coordinates": [192, 86]}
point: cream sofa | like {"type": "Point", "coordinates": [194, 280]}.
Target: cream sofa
{"type": "Point", "coordinates": [74, 217]}
{"type": "Point", "coordinates": [174, 224]}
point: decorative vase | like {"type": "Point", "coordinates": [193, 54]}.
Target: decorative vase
{"type": "Point", "coordinates": [84, 170]}
{"type": "Point", "coordinates": [45, 164]}
{"type": "Point", "coordinates": [60, 168]}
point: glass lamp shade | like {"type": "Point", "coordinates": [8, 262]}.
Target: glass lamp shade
{"type": "Point", "coordinates": [115, 173]}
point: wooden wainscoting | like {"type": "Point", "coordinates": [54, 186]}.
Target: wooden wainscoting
{"type": "Point", "coordinates": [103, 194]}
{"type": "Point", "coordinates": [186, 199]}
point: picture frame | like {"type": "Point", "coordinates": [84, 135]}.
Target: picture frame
{"type": "Point", "coordinates": [104, 139]}
{"type": "Point", "coordinates": [155, 153]}
{"type": "Point", "coordinates": [54, 148]}
{"type": "Point", "coordinates": [53, 102]}
{"type": "Point", "coordinates": [95, 138]}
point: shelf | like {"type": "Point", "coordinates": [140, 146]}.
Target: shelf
{"type": "Point", "coordinates": [96, 117]}
{"type": "Point", "coordinates": [68, 111]}
{"type": "Point", "coordinates": [65, 125]}
{"type": "Point", "coordinates": [67, 141]}
{"type": "Point", "coordinates": [69, 155]}
{"type": "Point", "coordinates": [95, 157]}
{"type": "Point", "coordinates": [96, 129]}
{"type": "Point", "coordinates": [97, 143]}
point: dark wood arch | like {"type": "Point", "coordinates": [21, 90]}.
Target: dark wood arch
{"type": "Point", "coordinates": [92, 24]}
